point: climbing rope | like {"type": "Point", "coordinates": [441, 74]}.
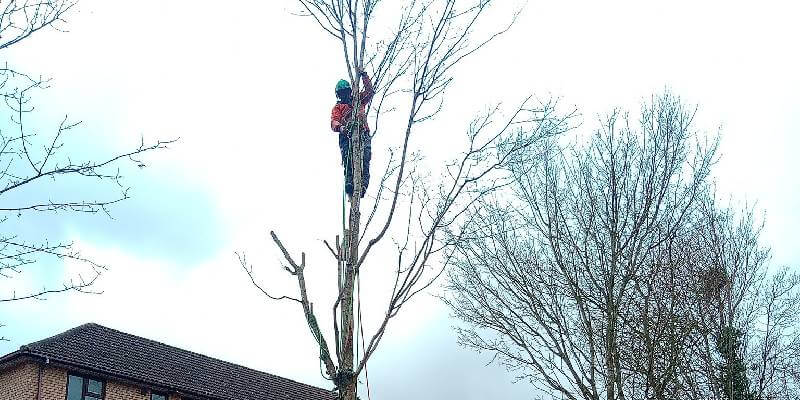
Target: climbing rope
{"type": "Point", "coordinates": [345, 243]}
{"type": "Point", "coordinates": [340, 377]}
{"type": "Point", "coordinates": [360, 327]}
{"type": "Point", "coordinates": [358, 323]}
{"type": "Point", "coordinates": [363, 343]}
{"type": "Point", "coordinates": [314, 327]}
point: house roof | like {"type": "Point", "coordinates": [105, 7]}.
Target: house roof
{"type": "Point", "coordinates": [95, 348]}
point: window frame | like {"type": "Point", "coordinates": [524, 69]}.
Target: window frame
{"type": "Point", "coordinates": [166, 396]}
{"type": "Point", "coordinates": [85, 393]}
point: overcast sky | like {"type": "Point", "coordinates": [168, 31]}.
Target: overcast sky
{"type": "Point", "coordinates": [248, 88]}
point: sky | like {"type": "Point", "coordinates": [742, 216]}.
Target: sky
{"type": "Point", "coordinates": [248, 89]}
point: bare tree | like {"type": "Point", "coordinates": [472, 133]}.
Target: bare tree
{"type": "Point", "coordinates": [659, 319]}
{"type": "Point", "coordinates": [33, 164]}
{"type": "Point", "coordinates": [415, 64]}
{"type": "Point", "coordinates": [572, 280]}
{"type": "Point", "coordinates": [610, 271]}
{"type": "Point", "coordinates": [774, 342]}
{"type": "Point", "coordinates": [19, 19]}
{"type": "Point", "coordinates": [741, 295]}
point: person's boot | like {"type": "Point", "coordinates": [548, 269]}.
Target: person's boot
{"type": "Point", "coordinates": [348, 188]}
{"type": "Point", "coordinates": [365, 183]}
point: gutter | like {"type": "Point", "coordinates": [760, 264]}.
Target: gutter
{"type": "Point", "coordinates": [44, 359]}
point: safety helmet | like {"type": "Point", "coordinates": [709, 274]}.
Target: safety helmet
{"type": "Point", "coordinates": [342, 85]}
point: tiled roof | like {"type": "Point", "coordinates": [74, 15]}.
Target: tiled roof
{"type": "Point", "coordinates": [108, 351]}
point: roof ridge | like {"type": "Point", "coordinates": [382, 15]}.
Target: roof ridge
{"type": "Point", "coordinates": [59, 335]}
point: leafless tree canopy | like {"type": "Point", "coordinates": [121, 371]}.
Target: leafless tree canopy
{"type": "Point", "coordinates": [19, 19]}
{"type": "Point", "coordinates": [607, 270]}
{"type": "Point", "coordinates": [33, 156]}
{"type": "Point", "coordinates": [412, 65]}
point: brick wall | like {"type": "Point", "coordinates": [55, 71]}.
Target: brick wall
{"type": "Point", "coordinates": [20, 383]}
{"type": "Point", "coordinates": [54, 384]}
{"type": "Point", "coordinates": [122, 391]}
{"type": "Point", "coordinates": [119, 391]}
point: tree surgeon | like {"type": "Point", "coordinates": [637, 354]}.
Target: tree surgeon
{"type": "Point", "coordinates": [342, 121]}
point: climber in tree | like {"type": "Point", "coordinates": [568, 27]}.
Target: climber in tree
{"type": "Point", "coordinates": [342, 121]}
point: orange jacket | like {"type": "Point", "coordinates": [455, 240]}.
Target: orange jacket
{"type": "Point", "coordinates": [341, 113]}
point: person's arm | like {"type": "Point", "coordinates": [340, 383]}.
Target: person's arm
{"type": "Point", "coordinates": [336, 119]}
{"type": "Point", "coordinates": [369, 91]}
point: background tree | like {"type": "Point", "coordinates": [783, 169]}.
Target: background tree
{"type": "Point", "coordinates": [748, 314]}
{"type": "Point", "coordinates": [39, 171]}
{"type": "Point", "coordinates": [412, 66]}
{"type": "Point", "coordinates": [565, 271]}
{"type": "Point", "coordinates": [608, 270]}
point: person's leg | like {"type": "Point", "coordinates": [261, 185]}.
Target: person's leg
{"type": "Point", "coordinates": [366, 159]}
{"type": "Point", "coordinates": [344, 148]}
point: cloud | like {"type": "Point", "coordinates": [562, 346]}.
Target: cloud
{"type": "Point", "coordinates": [209, 308]}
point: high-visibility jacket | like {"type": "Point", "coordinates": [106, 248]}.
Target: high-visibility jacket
{"type": "Point", "coordinates": [341, 113]}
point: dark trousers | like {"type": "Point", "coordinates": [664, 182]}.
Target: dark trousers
{"type": "Point", "coordinates": [344, 147]}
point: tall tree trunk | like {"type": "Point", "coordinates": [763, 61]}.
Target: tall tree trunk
{"type": "Point", "coordinates": [610, 375]}
{"type": "Point", "coordinates": [347, 390]}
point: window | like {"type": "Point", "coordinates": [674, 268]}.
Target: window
{"type": "Point", "coordinates": [156, 396]}
{"type": "Point", "coordinates": [81, 388]}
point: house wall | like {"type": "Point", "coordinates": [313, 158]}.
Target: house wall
{"type": "Point", "coordinates": [121, 391]}
{"type": "Point", "coordinates": [20, 383]}
{"type": "Point", "coordinates": [54, 384]}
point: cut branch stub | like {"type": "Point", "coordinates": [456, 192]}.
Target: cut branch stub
{"type": "Point", "coordinates": [308, 309]}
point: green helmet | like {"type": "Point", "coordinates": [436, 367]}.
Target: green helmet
{"type": "Point", "coordinates": [342, 85]}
